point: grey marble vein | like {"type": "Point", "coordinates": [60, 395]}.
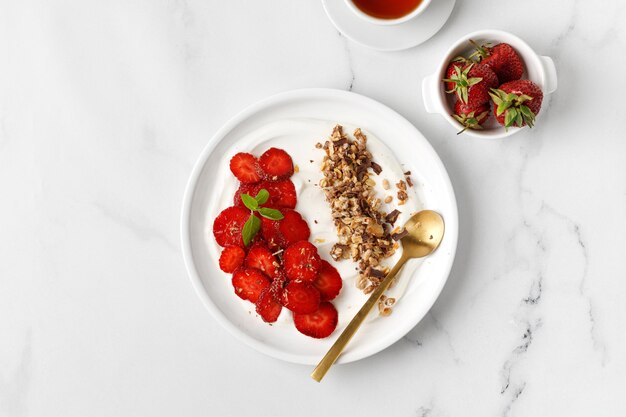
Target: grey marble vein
{"type": "Point", "coordinates": [412, 342]}
{"type": "Point", "coordinates": [346, 45]}
{"type": "Point", "coordinates": [517, 354]}
{"type": "Point", "coordinates": [516, 395]}
{"type": "Point", "coordinates": [576, 234]}
{"type": "Point", "coordinates": [14, 390]}
{"type": "Point", "coordinates": [536, 288]}
{"type": "Point", "coordinates": [439, 326]}
{"type": "Point", "coordinates": [140, 230]}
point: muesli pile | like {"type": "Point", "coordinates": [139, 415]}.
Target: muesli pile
{"type": "Point", "coordinates": [366, 233]}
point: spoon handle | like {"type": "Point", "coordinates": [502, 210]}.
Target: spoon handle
{"type": "Point", "coordinates": [333, 353]}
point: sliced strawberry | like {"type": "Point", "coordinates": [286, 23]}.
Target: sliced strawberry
{"type": "Point", "coordinates": [276, 164]}
{"type": "Point", "coordinates": [293, 227]}
{"type": "Point", "coordinates": [282, 194]}
{"type": "Point", "coordinates": [228, 224]}
{"type": "Point", "coordinates": [280, 279]}
{"type": "Point", "coordinates": [271, 233]}
{"type": "Point", "coordinates": [249, 282]}
{"type": "Point", "coordinates": [245, 167]}
{"type": "Point", "coordinates": [328, 282]}
{"type": "Point", "coordinates": [319, 324]}
{"type": "Point", "coordinates": [231, 258]}
{"type": "Point", "coordinates": [302, 261]}
{"type": "Point", "coordinates": [260, 257]}
{"type": "Point", "coordinates": [250, 189]}
{"type": "Point", "coordinates": [301, 297]}
{"type": "Point", "coordinates": [267, 307]}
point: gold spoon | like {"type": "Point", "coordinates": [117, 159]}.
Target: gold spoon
{"type": "Point", "coordinates": [424, 234]}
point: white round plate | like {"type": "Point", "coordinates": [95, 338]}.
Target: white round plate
{"type": "Point", "coordinates": [389, 37]}
{"type": "Point", "coordinates": [410, 148]}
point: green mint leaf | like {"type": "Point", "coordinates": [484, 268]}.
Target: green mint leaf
{"type": "Point", "coordinates": [250, 229]}
{"type": "Point", "coordinates": [271, 214]}
{"type": "Point", "coordinates": [262, 196]}
{"type": "Point", "coordinates": [249, 202]}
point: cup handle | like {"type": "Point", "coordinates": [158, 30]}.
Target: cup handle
{"type": "Point", "coordinates": [430, 94]}
{"type": "Point", "coordinates": [549, 69]}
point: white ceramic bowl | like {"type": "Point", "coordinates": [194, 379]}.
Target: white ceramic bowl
{"type": "Point", "coordinates": [539, 69]}
{"type": "Point", "coordinates": [386, 22]}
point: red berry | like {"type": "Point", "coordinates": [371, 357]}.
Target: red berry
{"type": "Point", "coordinates": [520, 101]}
{"type": "Point", "coordinates": [319, 324]}
{"type": "Point", "coordinates": [504, 60]}
{"type": "Point", "coordinates": [328, 282]}
{"type": "Point", "coordinates": [276, 164]}
{"type": "Point", "coordinates": [282, 194]}
{"type": "Point", "coordinates": [271, 233]}
{"type": "Point", "coordinates": [260, 257]}
{"type": "Point", "coordinates": [459, 62]}
{"type": "Point", "coordinates": [231, 258]}
{"type": "Point", "coordinates": [250, 189]}
{"type": "Point", "coordinates": [249, 282]}
{"type": "Point", "coordinates": [301, 297]}
{"type": "Point", "coordinates": [470, 117]}
{"type": "Point", "coordinates": [245, 167]}
{"type": "Point", "coordinates": [228, 224]}
{"type": "Point", "coordinates": [278, 284]}
{"type": "Point", "coordinates": [302, 261]}
{"type": "Point", "coordinates": [267, 307]}
{"type": "Point", "coordinates": [293, 227]}
{"type": "Point", "coordinates": [472, 84]}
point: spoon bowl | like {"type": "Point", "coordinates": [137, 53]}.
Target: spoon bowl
{"type": "Point", "coordinates": [424, 232]}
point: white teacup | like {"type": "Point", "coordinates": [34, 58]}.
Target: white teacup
{"type": "Point", "coordinates": [378, 21]}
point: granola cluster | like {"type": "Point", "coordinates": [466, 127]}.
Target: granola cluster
{"type": "Point", "coordinates": [364, 230]}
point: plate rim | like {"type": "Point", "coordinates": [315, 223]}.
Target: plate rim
{"type": "Point", "coordinates": [452, 225]}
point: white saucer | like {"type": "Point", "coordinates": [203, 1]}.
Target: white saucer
{"type": "Point", "coordinates": [392, 37]}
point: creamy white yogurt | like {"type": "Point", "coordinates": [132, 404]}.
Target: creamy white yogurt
{"type": "Point", "coordinates": [298, 137]}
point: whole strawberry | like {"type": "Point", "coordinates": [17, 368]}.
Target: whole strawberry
{"type": "Point", "coordinates": [460, 62]}
{"type": "Point", "coordinates": [502, 59]}
{"type": "Point", "coordinates": [472, 84]}
{"type": "Point", "coordinates": [517, 103]}
{"type": "Point", "coordinates": [471, 117]}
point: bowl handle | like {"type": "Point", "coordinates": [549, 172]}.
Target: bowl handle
{"type": "Point", "coordinates": [430, 94]}
{"type": "Point", "coordinates": [550, 70]}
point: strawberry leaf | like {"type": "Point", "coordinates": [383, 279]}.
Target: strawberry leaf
{"type": "Point", "coordinates": [528, 115]}
{"type": "Point", "coordinates": [250, 228]}
{"type": "Point", "coordinates": [474, 80]}
{"type": "Point", "coordinates": [524, 98]}
{"type": "Point", "coordinates": [502, 107]}
{"type": "Point", "coordinates": [464, 95]}
{"type": "Point", "coordinates": [510, 117]}
{"type": "Point", "coordinates": [495, 97]}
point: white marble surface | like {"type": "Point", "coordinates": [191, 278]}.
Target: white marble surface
{"type": "Point", "coordinates": [104, 107]}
